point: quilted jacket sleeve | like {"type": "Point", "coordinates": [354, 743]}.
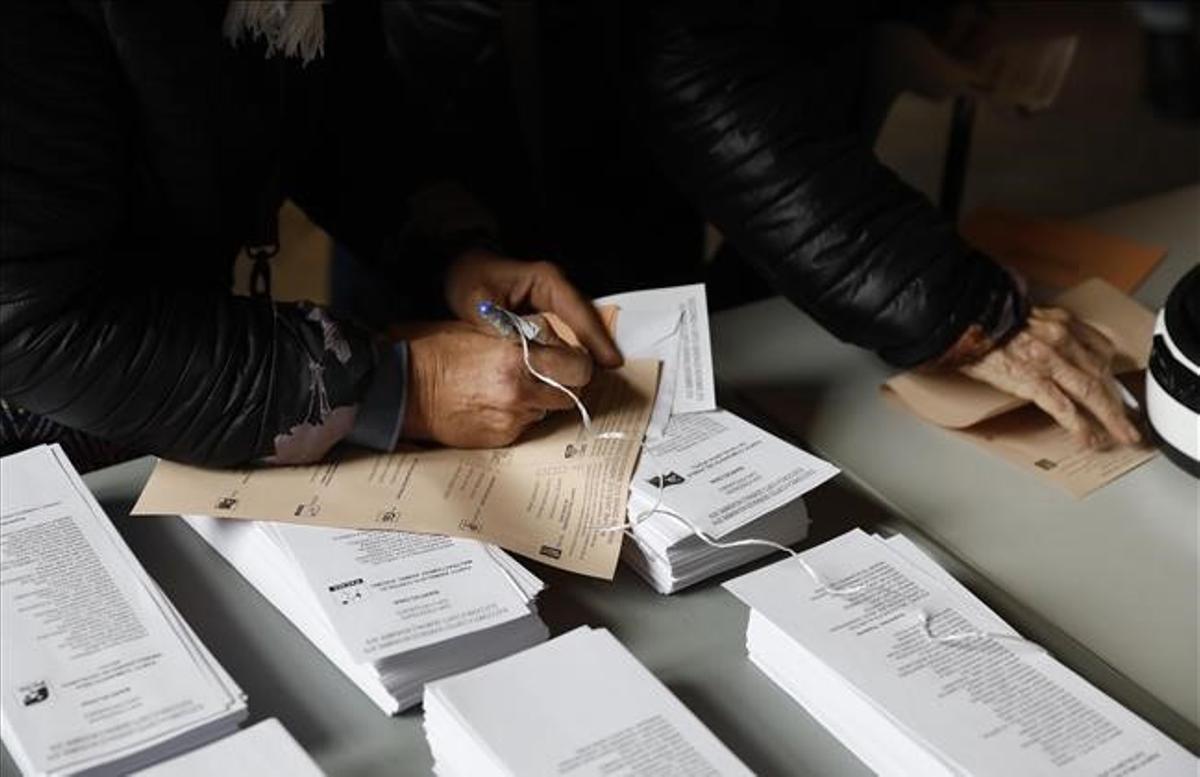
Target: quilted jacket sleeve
{"type": "Point", "coordinates": [762, 134]}
{"type": "Point", "coordinates": [129, 344]}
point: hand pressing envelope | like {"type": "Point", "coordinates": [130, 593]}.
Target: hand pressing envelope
{"type": "Point", "coordinates": [1014, 429]}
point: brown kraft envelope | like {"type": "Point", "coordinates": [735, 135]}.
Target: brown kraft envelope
{"type": "Point", "coordinates": [1018, 431]}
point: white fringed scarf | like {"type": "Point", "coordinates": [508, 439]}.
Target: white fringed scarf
{"type": "Point", "coordinates": [295, 28]}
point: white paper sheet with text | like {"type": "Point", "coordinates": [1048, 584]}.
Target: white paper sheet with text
{"type": "Point", "coordinates": [587, 708]}
{"type": "Point", "coordinates": [264, 749]}
{"type": "Point", "coordinates": [388, 592]}
{"type": "Point", "coordinates": [96, 665]}
{"type": "Point", "coordinates": [722, 472]}
{"type": "Point", "coordinates": [647, 316]}
{"type": "Point", "coordinates": [988, 707]}
{"type": "Point", "coordinates": [654, 333]}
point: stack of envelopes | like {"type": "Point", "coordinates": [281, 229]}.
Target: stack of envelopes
{"type": "Point", "coordinates": [101, 673]}
{"type": "Point", "coordinates": [719, 475]}
{"type": "Point", "coordinates": [702, 469]}
{"type": "Point", "coordinates": [916, 676]}
{"type": "Point", "coordinates": [580, 704]}
{"type": "Point", "coordinates": [262, 749]}
{"type": "Point", "coordinates": [392, 610]}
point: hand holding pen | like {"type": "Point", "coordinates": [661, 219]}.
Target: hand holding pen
{"type": "Point", "coordinates": [540, 287]}
{"type": "Point", "coordinates": [469, 388]}
{"type": "Point", "coordinates": [513, 327]}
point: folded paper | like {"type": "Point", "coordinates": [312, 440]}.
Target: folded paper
{"type": "Point", "coordinates": [1011, 427]}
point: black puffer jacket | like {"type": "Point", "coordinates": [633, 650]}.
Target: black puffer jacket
{"type": "Point", "coordinates": [754, 110]}
{"type": "Point", "coordinates": [756, 113]}
{"type": "Point", "coordinates": [139, 151]}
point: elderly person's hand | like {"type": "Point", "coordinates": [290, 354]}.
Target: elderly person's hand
{"type": "Point", "coordinates": [1064, 366]}
{"type": "Point", "coordinates": [519, 286]}
{"type": "Point", "coordinates": [470, 389]}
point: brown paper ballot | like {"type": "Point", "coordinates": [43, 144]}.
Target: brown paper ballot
{"type": "Point", "coordinates": [1059, 254]}
{"type": "Point", "coordinates": [1020, 432]}
{"type": "Point", "coordinates": [552, 496]}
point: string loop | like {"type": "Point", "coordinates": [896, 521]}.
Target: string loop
{"type": "Point", "coordinates": [628, 525]}
{"type": "Point", "coordinates": [519, 328]}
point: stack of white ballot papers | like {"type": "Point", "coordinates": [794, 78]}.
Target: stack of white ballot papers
{"type": "Point", "coordinates": [722, 476]}
{"type": "Point", "coordinates": [100, 673]}
{"type": "Point", "coordinates": [578, 706]}
{"type": "Point", "coordinates": [261, 750]}
{"type": "Point", "coordinates": [392, 610]}
{"type": "Point", "coordinates": [918, 677]}
{"type": "Point", "coordinates": [671, 326]}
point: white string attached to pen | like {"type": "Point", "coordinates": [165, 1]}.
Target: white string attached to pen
{"type": "Point", "coordinates": [924, 618]}
{"type": "Point", "coordinates": [519, 326]}
{"type": "Point", "coordinates": [658, 509]}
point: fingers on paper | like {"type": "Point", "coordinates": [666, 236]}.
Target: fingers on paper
{"type": "Point", "coordinates": [1095, 340]}
{"type": "Point", "coordinates": [568, 366]}
{"type": "Point", "coordinates": [1049, 366]}
{"type": "Point", "coordinates": [522, 395]}
{"type": "Point", "coordinates": [1078, 358]}
{"type": "Point", "coordinates": [1049, 397]}
{"type": "Point", "coordinates": [554, 293]}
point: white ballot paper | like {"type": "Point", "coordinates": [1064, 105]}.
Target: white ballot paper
{"type": "Point", "coordinates": [727, 478]}
{"type": "Point", "coordinates": [578, 706]}
{"type": "Point", "coordinates": [665, 351]}
{"type": "Point", "coordinates": [670, 325]}
{"type": "Point", "coordinates": [391, 610]}
{"type": "Point", "coordinates": [387, 592]}
{"type": "Point", "coordinates": [265, 749]}
{"type": "Point", "coordinates": [721, 472]}
{"type": "Point", "coordinates": [100, 673]}
{"type": "Point", "coordinates": [862, 663]}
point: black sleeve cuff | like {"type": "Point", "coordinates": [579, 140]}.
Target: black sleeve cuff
{"type": "Point", "coordinates": [381, 411]}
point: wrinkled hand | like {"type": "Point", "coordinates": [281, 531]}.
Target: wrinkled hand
{"type": "Point", "coordinates": [1065, 367]}
{"type": "Point", "coordinates": [479, 275]}
{"type": "Point", "coordinates": [468, 389]}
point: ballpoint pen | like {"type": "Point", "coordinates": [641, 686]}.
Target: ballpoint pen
{"type": "Point", "coordinates": [514, 327]}
{"type": "Point", "coordinates": [509, 325]}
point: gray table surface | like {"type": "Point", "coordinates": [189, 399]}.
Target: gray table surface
{"type": "Point", "coordinates": [1108, 582]}
{"type": "Point", "coordinates": [694, 641]}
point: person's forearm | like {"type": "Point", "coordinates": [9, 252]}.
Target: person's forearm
{"type": "Point", "coordinates": [190, 374]}
{"type": "Point", "coordinates": [764, 144]}
{"type": "Point", "coordinates": [379, 417]}
{"type": "Point", "coordinates": [1001, 317]}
